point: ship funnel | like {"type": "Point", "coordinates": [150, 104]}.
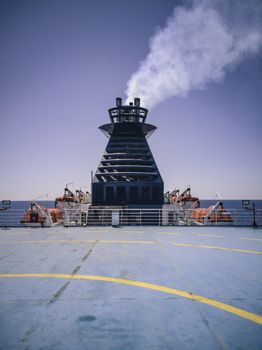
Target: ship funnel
{"type": "Point", "coordinates": [137, 102]}
{"type": "Point", "coordinates": [118, 101]}
{"type": "Point", "coordinates": [127, 173]}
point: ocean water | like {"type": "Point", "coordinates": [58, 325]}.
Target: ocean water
{"type": "Point", "coordinates": [231, 203]}
{"type": "Point", "coordinates": [13, 216]}
{"type": "Point", "coordinates": [23, 205]}
{"type": "Point", "coordinates": [204, 203]}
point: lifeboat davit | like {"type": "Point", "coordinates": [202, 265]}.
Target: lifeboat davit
{"type": "Point", "coordinates": [185, 200]}
{"type": "Point", "coordinates": [69, 200]}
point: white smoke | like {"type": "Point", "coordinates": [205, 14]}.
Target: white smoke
{"type": "Point", "coordinates": [199, 43]}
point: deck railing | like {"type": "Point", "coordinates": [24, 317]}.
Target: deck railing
{"type": "Point", "coordinates": [142, 217]}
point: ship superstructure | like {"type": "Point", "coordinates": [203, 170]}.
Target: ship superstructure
{"type": "Point", "coordinates": [127, 174]}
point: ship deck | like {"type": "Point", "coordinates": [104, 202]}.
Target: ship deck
{"type": "Point", "coordinates": [131, 288]}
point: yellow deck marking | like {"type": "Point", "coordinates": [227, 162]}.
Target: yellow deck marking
{"type": "Point", "coordinates": [204, 235]}
{"type": "Point", "coordinates": [218, 248]}
{"type": "Point", "coordinates": [169, 233]}
{"type": "Point", "coordinates": [132, 231]}
{"type": "Point", "coordinates": [252, 239]}
{"type": "Point", "coordinates": [79, 242]}
{"type": "Point", "coordinates": [48, 242]}
{"type": "Point", "coordinates": [17, 233]}
{"type": "Point", "coordinates": [159, 288]}
{"type": "Point", "coordinates": [139, 242]}
{"type": "Point", "coordinates": [93, 231]}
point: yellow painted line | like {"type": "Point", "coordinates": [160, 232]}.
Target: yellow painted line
{"type": "Point", "coordinates": [204, 235]}
{"type": "Point", "coordinates": [252, 239]}
{"type": "Point", "coordinates": [169, 233]}
{"type": "Point", "coordinates": [159, 288]}
{"type": "Point", "coordinates": [135, 242]}
{"type": "Point", "coordinates": [48, 242]}
{"type": "Point", "coordinates": [218, 248]}
{"type": "Point", "coordinates": [132, 231]}
{"type": "Point", "coordinates": [17, 233]}
{"type": "Point", "coordinates": [96, 231]}
{"type": "Point", "coordinates": [79, 242]}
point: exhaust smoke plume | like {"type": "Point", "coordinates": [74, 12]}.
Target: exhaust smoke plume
{"type": "Point", "coordinates": [200, 42]}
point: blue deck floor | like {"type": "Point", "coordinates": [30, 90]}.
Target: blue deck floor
{"type": "Point", "coordinates": [131, 288]}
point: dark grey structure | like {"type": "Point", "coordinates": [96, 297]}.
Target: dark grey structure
{"type": "Point", "coordinates": [127, 174]}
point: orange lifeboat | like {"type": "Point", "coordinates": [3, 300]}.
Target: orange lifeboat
{"type": "Point", "coordinates": [56, 214]}
{"type": "Point", "coordinates": [39, 216]}
{"type": "Point", "coordinates": [32, 218]}
{"type": "Point", "coordinates": [199, 214]}
{"type": "Point", "coordinates": [214, 214]}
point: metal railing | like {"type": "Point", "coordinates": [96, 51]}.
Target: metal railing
{"type": "Point", "coordinates": [141, 217]}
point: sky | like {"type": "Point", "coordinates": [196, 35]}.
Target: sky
{"type": "Point", "coordinates": [63, 63]}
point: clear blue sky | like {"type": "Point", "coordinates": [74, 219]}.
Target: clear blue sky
{"type": "Point", "coordinates": [63, 63]}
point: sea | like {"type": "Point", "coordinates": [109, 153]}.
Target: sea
{"type": "Point", "coordinates": [242, 217]}
{"type": "Point", "coordinates": [204, 203]}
